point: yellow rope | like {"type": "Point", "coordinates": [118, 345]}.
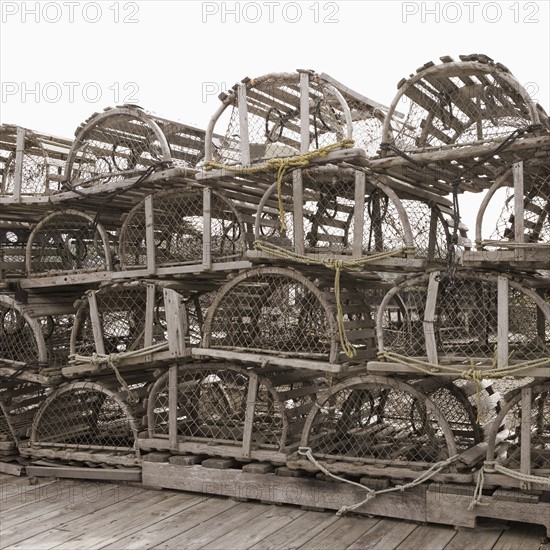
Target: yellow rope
{"type": "Point", "coordinates": [338, 266]}
{"type": "Point", "coordinates": [282, 165]}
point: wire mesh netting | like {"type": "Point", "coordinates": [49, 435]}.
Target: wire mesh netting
{"type": "Point", "coordinates": [114, 146]}
{"type": "Point", "coordinates": [122, 310]}
{"type": "Point", "coordinates": [273, 119]}
{"type": "Point", "coordinates": [69, 241]}
{"type": "Point", "coordinates": [85, 415]}
{"type": "Point", "coordinates": [459, 103]}
{"type": "Point", "coordinates": [367, 421]}
{"type": "Point", "coordinates": [465, 322]}
{"type": "Point", "coordinates": [18, 339]}
{"type": "Point", "coordinates": [536, 210]}
{"type": "Point", "coordinates": [19, 402]}
{"type": "Point", "coordinates": [13, 243]}
{"type": "Point", "coordinates": [56, 330]}
{"type": "Point", "coordinates": [212, 403]}
{"type": "Point", "coordinates": [35, 169]}
{"type": "Point", "coordinates": [277, 311]}
{"type": "Point", "coordinates": [509, 449]}
{"type": "Point", "coordinates": [178, 226]}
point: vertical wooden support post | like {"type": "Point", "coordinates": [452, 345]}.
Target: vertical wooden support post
{"type": "Point", "coordinates": [173, 407]}
{"type": "Point", "coordinates": [525, 451]}
{"type": "Point", "coordinates": [19, 160]}
{"type": "Point", "coordinates": [359, 214]}
{"type": "Point", "coordinates": [429, 317]}
{"type": "Point", "coordinates": [176, 322]}
{"type": "Point", "coordinates": [304, 112]}
{"type": "Point", "coordinates": [95, 319]}
{"type": "Point", "coordinates": [249, 415]}
{"type": "Point", "coordinates": [519, 230]}
{"type": "Point", "coordinates": [541, 319]}
{"type": "Point", "coordinates": [502, 322]}
{"type": "Point", "coordinates": [243, 124]}
{"type": "Point", "coordinates": [298, 199]}
{"type": "Point", "coordinates": [207, 228]}
{"type": "Point", "coordinates": [432, 237]}
{"type": "Point", "coordinates": [150, 235]}
{"type": "Point", "coordinates": [149, 316]}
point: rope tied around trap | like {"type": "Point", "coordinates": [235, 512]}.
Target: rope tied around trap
{"type": "Point", "coordinates": [492, 466]}
{"type": "Point", "coordinates": [282, 165]}
{"type": "Point", "coordinates": [371, 493]}
{"type": "Point", "coordinates": [338, 266]}
{"type": "Point", "coordinates": [113, 360]}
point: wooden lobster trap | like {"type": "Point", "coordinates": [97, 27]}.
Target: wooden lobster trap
{"type": "Point", "coordinates": [465, 120]}
{"type": "Point", "coordinates": [343, 213]}
{"type": "Point", "coordinates": [19, 402]}
{"type": "Point", "coordinates": [90, 422]}
{"type": "Point", "coordinates": [227, 409]}
{"type": "Point", "coordinates": [521, 235]}
{"type": "Point", "coordinates": [464, 320]}
{"type": "Point", "coordinates": [380, 426]}
{"type": "Point", "coordinates": [126, 142]}
{"type": "Point", "coordinates": [68, 241]}
{"type": "Point", "coordinates": [278, 315]}
{"type": "Point", "coordinates": [520, 439]}
{"type": "Point", "coordinates": [181, 231]}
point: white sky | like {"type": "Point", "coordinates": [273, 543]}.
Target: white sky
{"type": "Point", "coordinates": [174, 52]}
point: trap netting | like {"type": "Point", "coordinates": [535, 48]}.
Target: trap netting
{"type": "Point", "coordinates": [523, 442]}
{"type": "Point", "coordinates": [117, 144]}
{"type": "Point", "coordinates": [212, 406]}
{"type": "Point", "coordinates": [536, 210]}
{"type": "Point", "coordinates": [128, 317]}
{"type": "Point", "coordinates": [21, 339]}
{"type": "Point", "coordinates": [19, 402]}
{"type": "Point", "coordinates": [56, 330]}
{"type": "Point", "coordinates": [83, 416]}
{"type": "Point", "coordinates": [463, 321]}
{"type": "Point", "coordinates": [278, 310]}
{"type": "Point", "coordinates": [34, 169]}
{"type": "Point", "coordinates": [457, 103]}
{"type": "Point", "coordinates": [13, 243]}
{"type": "Point", "coordinates": [68, 240]}
{"type": "Point", "coordinates": [375, 419]}
{"type": "Point", "coordinates": [262, 119]}
{"type": "Point", "coordinates": [178, 220]}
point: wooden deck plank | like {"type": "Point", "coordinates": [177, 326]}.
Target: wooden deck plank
{"type": "Point", "coordinates": [173, 525]}
{"type": "Point", "coordinates": [132, 518]}
{"type": "Point", "coordinates": [522, 537]}
{"type": "Point", "coordinates": [36, 534]}
{"type": "Point", "coordinates": [298, 532]}
{"type": "Point", "coordinates": [58, 496]}
{"type": "Point", "coordinates": [24, 494]}
{"type": "Point", "coordinates": [341, 534]}
{"type": "Point", "coordinates": [428, 537]}
{"type": "Point", "coordinates": [273, 519]}
{"type": "Point", "coordinates": [387, 534]}
{"type": "Point", "coordinates": [480, 539]}
{"type": "Point", "coordinates": [218, 526]}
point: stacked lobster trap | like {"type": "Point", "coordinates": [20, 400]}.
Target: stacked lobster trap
{"type": "Point", "coordinates": [292, 286]}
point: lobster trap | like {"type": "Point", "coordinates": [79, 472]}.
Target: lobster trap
{"type": "Point", "coordinates": [369, 422]}
{"type": "Point", "coordinates": [89, 421]}
{"type": "Point", "coordinates": [226, 409]}
{"type": "Point", "coordinates": [486, 319]}
{"type": "Point", "coordinates": [520, 439]}
{"type": "Point", "coordinates": [139, 325]}
{"type": "Point", "coordinates": [185, 228]}
{"type": "Point", "coordinates": [274, 310]}
{"type": "Point", "coordinates": [521, 234]}
{"type": "Point", "coordinates": [127, 142]}
{"type": "Point", "coordinates": [68, 241]}
{"type": "Point", "coordinates": [31, 163]}
{"type": "Point", "coordinates": [455, 110]}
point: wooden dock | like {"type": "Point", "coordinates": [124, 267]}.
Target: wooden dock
{"type": "Point", "coordinates": [69, 514]}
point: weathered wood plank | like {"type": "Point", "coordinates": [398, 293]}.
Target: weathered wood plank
{"type": "Point", "coordinates": [387, 534]}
